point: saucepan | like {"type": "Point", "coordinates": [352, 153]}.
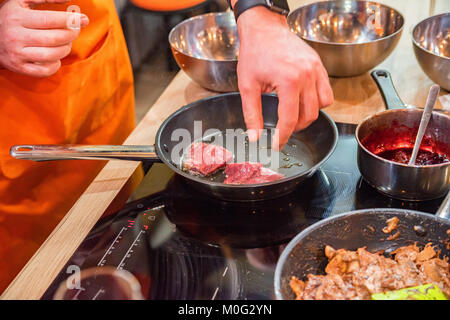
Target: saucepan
{"type": "Point", "coordinates": [356, 229]}
{"type": "Point", "coordinates": [398, 127]}
{"type": "Point", "coordinates": [305, 152]}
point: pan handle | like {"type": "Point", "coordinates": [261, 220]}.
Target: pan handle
{"type": "Point", "coordinates": [84, 152]}
{"type": "Point", "coordinates": [444, 209]}
{"type": "Point", "coordinates": [384, 82]}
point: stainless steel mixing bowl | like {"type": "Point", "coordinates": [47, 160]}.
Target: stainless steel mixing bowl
{"type": "Point", "coordinates": [350, 36]}
{"type": "Point", "coordinates": [431, 42]}
{"type": "Point", "coordinates": [206, 47]}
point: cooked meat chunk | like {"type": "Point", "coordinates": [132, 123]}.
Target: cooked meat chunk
{"type": "Point", "coordinates": [359, 274]}
{"type": "Point", "coordinates": [249, 173]}
{"type": "Point", "coordinates": [204, 159]}
{"type": "Point", "coordinates": [391, 225]}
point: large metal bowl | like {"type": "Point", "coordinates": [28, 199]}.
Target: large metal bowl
{"type": "Point", "coordinates": [431, 42]}
{"type": "Point", "coordinates": [351, 37]}
{"type": "Point", "coordinates": [206, 47]}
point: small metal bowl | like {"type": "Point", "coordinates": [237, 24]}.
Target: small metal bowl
{"type": "Point", "coordinates": [206, 47]}
{"type": "Point", "coordinates": [431, 42]}
{"type": "Point", "coordinates": [351, 37]}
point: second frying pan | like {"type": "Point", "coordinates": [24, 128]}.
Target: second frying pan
{"type": "Point", "coordinates": [310, 147]}
{"type": "Point", "coordinates": [356, 229]}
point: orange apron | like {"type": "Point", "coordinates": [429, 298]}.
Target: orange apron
{"type": "Point", "coordinates": [164, 5]}
{"type": "Point", "coordinates": [90, 100]}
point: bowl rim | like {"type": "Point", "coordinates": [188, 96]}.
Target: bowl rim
{"type": "Point", "coordinates": [413, 109]}
{"type": "Point", "coordinates": [197, 17]}
{"type": "Point", "coordinates": [349, 43]}
{"type": "Point", "coordinates": [418, 45]}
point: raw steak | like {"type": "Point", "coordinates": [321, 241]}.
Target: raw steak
{"type": "Point", "coordinates": [204, 159]}
{"type": "Point", "coordinates": [249, 173]}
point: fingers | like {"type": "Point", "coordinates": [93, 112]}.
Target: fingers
{"type": "Point", "coordinates": [40, 19]}
{"type": "Point", "coordinates": [309, 110]}
{"type": "Point", "coordinates": [41, 70]}
{"type": "Point", "coordinates": [288, 109]}
{"type": "Point", "coordinates": [49, 38]}
{"type": "Point", "coordinates": [46, 55]}
{"type": "Point", "coordinates": [30, 3]}
{"type": "Point", "coordinates": [252, 109]}
{"type": "Point", "coordinates": [324, 90]}
{"type": "Point", "coordinates": [316, 94]}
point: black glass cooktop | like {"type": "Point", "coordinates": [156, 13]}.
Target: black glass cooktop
{"type": "Point", "coordinates": [179, 244]}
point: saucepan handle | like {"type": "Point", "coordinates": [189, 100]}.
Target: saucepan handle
{"type": "Point", "coordinates": [84, 152]}
{"type": "Point", "coordinates": [384, 82]}
{"type": "Point", "coordinates": [444, 209]}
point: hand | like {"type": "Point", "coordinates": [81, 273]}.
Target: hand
{"type": "Point", "coordinates": [33, 42]}
{"type": "Point", "coordinates": [272, 58]}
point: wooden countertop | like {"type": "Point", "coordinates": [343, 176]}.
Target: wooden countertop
{"type": "Point", "coordinates": [356, 98]}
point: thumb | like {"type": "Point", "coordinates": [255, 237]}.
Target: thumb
{"type": "Point", "coordinates": [252, 109]}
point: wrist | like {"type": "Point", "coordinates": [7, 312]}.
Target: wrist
{"type": "Point", "coordinates": [255, 16]}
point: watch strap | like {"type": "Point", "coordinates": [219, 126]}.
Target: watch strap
{"type": "Point", "coordinates": [243, 5]}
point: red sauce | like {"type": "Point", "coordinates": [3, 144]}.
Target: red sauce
{"type": "Point", "coordinates": [424, 157]}
{"type": "Point", "coordinates": [396, 144]}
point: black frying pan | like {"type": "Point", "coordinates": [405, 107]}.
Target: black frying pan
{"type": "Point", "coordinates": [352, 230]}
{"type": "Point", "coordinates": [310, 147]}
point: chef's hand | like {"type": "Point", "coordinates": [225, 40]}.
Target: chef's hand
{"type": "Point", "coordinates": [33, 42]}
{"type": "Point", "coordinates": [272, 58]}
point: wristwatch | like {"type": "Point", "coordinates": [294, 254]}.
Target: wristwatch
{"type": "Point", "coordinates": [278, 6]}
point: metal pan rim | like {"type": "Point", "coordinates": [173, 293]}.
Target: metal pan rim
{"type": "Point", "coordinates": [218, 184]}
{"type": "Point", "coordinates": [444, 164]}
{"type": "Point", "coordinates": [294, 242]}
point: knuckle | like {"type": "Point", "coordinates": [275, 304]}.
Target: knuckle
{"type": "Point", "coordinates": [251, 119]}
{"type": "Point", "coordinates": [289, 121]}
{"type": "Point", "coordinates": [43, 20]}
{"type": "Point", "coordinates": [14, 16]}
{"type": "Point", "coordinates": [9, 39]}
{"type": "Point", "coordinates": [308, 70]}
{"type": "Point", "coordinates": [16, 61]}
{"type": "Point", "coordinates": [316, 64]}
{"type": "Point", "coordinates": [311, 118]}
{"type": "Point", "coordinates": [48, 40]}
{"type": "Point", "coordinates": [52, 40]}
{"type": "Point", "coordinates": [292, 78]}
{"type": "Point", "coordinates": [245, 86]}
{"type": "Point", "coordinates": [329, 100]}
{"type": "Point", "coordinates": [45, 55]}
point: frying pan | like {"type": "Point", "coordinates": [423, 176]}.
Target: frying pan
{"type": "Point", "coordinates": [309, 148]}
{"type": "Point", "coordinates": [352, 230]}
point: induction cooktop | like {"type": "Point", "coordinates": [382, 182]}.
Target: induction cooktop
{"type": "Point", "coordinates": [179, 244]}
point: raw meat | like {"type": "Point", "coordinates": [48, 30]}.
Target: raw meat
{"type": "Point", "coordinates": [204, 159]}
{"type": "Point", "coordinates": [249, 173]}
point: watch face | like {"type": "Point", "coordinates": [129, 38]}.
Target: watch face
{"type": "Point", "coordinates": [281, 4]}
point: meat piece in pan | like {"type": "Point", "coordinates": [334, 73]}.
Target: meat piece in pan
{"type": "Point", "coordinates": [205, 159]}
{"type": "Point", "coordinates": [249, 173]}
